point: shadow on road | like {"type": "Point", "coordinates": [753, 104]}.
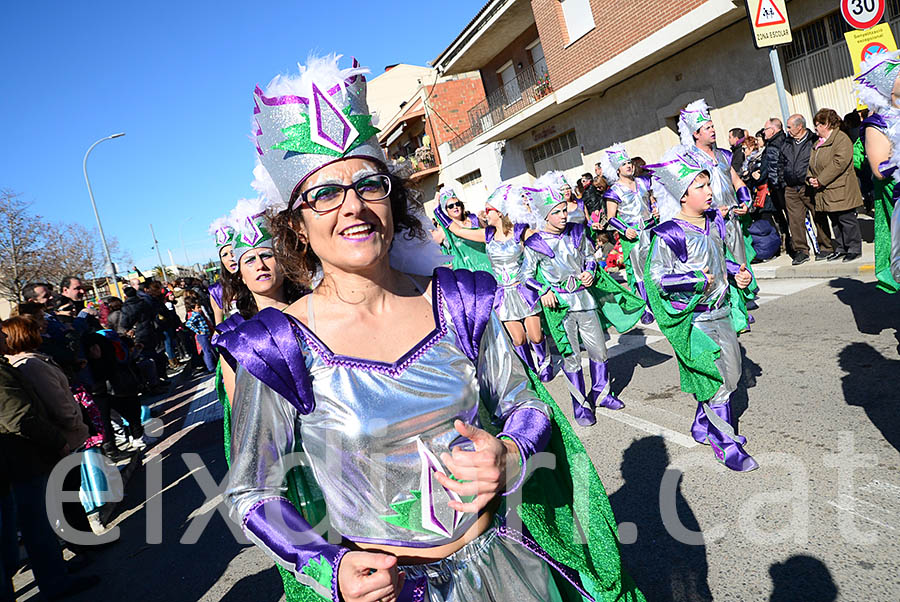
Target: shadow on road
{"type": "Point", "coordinates": [873, 310]}
{"type": "Point", "coordinates": [664, 568]}
{"type": "Point", "coordinates": [871, 381]}
{"type": "Point", "coordinates": [249, 588]}
{"type": "Point", "coordinates": [802, 579]}
{"type": "Point", "coordinates": [622, 366]}
{"type": "Point", "coordinates": [740, 399]}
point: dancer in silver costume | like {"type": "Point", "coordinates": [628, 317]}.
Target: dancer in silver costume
{"type": "Point", "coordinates": [691, 278]}
{"type": "Point", "coordinates": [378, 378]}
{"type": "Point", "coordinates": [517, 304]}
{"type": "Point", "coordinates": [730, 195]}
{"type": "Point", "coordinates": [564, 255]}
{"type": "Point", "coordinates": [631, 211]}
{"type": "Point", "coordinates": [557, 181]}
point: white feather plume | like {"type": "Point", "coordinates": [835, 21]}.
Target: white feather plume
{"type": "Point", "coordinates": [610, 173]}
{"type": "Point", "coordinates": [218, 224]}
{"type": "Point", "coordinates": [244, 209]}
{"type": "Point", "coordinates": [264, 186]}
{"type": "Point", "coordinates": [554, 180]}
{"type": "Point", "coordinates": [668, 205]}
{"type": "Point", "coordinates": [868, 95]}
{"type": "Point", "coordinates": [323, 70]}
{"type": "Point", "coordinates": [685, 131]}
{"type": "Point", "coordinates": [892, 117]}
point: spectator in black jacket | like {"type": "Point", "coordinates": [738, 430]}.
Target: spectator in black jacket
{"type": "Point", "coordinates": [736, 142]}
{"type": "Point", "coordinates": [773, 164]}
{"type": "Point", "coordinates": [798, 196]}
{"type": "Point", "coordinates": [138, 318]}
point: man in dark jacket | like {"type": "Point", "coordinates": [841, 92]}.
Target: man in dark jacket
{"type": "Point", "coordinates": [798, 196]}
{"type": "Point", "coordinates": [736, 142]}
{"type": "Point", "coordinates": [30, 446]}
{"type": "Point", "coordinates": [773, 164]}
{"type": "Point", "coordinates": [138, 317]}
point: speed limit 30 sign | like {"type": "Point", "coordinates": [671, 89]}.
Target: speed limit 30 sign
{"type": "Point", "coordinates": [862, 14]}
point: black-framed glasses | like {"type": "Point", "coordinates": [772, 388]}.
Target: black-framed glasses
{"type": "Point", "coordinates": [329, 197]}
{"type": "Point", "coordinates": [454, 205]}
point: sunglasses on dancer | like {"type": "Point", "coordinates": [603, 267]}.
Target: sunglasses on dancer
{"type": "Point", "coordinates": [330, 197]}
{"type": "Point", "coordinates": [455, 205]}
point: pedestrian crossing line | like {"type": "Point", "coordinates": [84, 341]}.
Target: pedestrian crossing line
{"type": "Point", "coordinates": [648, 427]}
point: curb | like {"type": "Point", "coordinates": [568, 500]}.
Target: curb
{"type": "Point", "coordinates": [806, 270]}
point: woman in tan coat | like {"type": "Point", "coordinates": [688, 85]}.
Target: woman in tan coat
{"type": "Point", "coordinates": [832, 177]}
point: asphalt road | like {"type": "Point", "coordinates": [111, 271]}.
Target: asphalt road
{"type": "Point", "coordinates": [818, 521]}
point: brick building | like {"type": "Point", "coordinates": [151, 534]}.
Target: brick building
{"type": "Point", "coordinates": [564, 79]}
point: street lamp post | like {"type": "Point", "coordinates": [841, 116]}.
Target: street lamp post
{"type": "Point", "coordinates": [110, 269]}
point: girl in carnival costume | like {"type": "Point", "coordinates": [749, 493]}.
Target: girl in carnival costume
{"type": "Point", "coordinates": [259, 282]}
{"type": "Point", "coordinates": [561, 268]}
{"type": "Point", "coordinates": [517, 303]}
{"type": "Point", "coordinates": [878, 86]}
{"type": "Point", "coordinates": [632, 212]}
{"type": "Point", "coordinates": [730, 196]}
{"type": "Point", "coordinates": [379, 377]}
{"type": "Point", "coordinates": [456, 222]}
{"type": "Point", "coordinates": [688, 286]}
{"type": "Point", "coordinates": [574, 205]}
{"type": "Point", "coordinates": [223, 233]}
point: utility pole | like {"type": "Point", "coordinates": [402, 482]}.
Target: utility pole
{"type": "Point", "coordinates": [162, 266]}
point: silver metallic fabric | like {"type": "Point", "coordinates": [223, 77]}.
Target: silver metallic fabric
{"type": "Point", "coordinates": [734, 239]}
{"type": "Point", "coordinates": [488, 569]}
{"type": "Point", "coordinates": [722, 332]}
{"type": "Point", "coordinates": [584, 325]}
{"type": "Point", "coordinates": [638, 254]}
{"type": "Point", "coordinates": [704, 251]}
{"type": "Point", "coordinates": [577, 216]}
{"type": "Point", "coordinates": [506, 262]}
{"type": "Point", "coordinates": [568, 263]}
{"type": "Point", "coordinates": [720, 177]}
{"type": "Point", "coordinates": [634, 205]}
{"type": "Point", "coordinates": [377, 431]}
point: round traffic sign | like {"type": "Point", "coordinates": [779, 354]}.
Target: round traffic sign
{"type": "Point", "coordinates": [862, 14]}
{"type": "Point", "coordinates": [872, 49]}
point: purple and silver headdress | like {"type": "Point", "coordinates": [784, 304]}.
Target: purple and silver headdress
{"type": "Point", "coordinates": [248, 218]}
{"type": "Point", "coordinates": [671, 178]}
{"type": "Point", "coordinates": [440, 212]}
{"type": "Point", "coordinates": [611, 159]}
{"type": "Point", "coordinates": [692, 118]}
{"type": "Point", "coordinates": [304, 122]}
{"type": "Point", "coordinates": [507, 199]}
{"type": "Point", "coordinates": [222, 231]}
{"type": "Point", "coordinates": [876, 80]}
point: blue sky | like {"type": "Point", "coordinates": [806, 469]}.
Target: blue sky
{"type": "Point", "coordinates": [177, 77]}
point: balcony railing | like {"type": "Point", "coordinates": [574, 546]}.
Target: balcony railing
{"type": "Point", "coordinates": [530, 85]}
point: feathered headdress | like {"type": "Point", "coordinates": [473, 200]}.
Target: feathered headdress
{"type": "Point", "coordinates": [507, 199]}
{"type": "Point", "coordinates": [306, 121]}
{"type": "Point", "coordinates": [248, 218]}
{"type": "Point", "coordinates": [552, 179]}
{"type": "Point", "coordinates": [611, 159]}
{"type": "Point", "coordinates": [892, 117]}
{"type": "Point", "coordinates": [876, 80]}
{"type": "Point", "coordinates": [222, 230]}
{"type": "Point", "coordinates": [671, 178]}
{"type": "Point", "coordinates": [692, 118]}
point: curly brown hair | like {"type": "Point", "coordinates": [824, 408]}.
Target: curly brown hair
{"type": "Point", "coordinates": [297, 259]}
{"type": "Point", "coordinates": [829, 118]}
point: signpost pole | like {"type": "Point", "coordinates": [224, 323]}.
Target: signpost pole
{"type": "Point", "coordinates": [779, 83]}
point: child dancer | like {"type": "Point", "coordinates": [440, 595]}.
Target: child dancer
{"type": "Point", "coordinates": [629, 206]}
{"type": "Point", "coordinates": [688, 286]}
{"type": "Point", "coordinates": [560, 266]}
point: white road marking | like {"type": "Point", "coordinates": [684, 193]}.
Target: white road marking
{"type": "Point", "coordinates": [647, 426]}
{"type": "Point", "coordinates": [859, 514]}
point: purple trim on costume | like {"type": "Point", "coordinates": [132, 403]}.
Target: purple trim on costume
{"type": "Point", "coordinates": [414, 590]}
{"type": "Point", "coordinates": [287, 99]}
{"type": "Point", "coordinates": [732, 267]}
{"type": "Point", "coordinates": [612, 195]}
{"type": "Point", "coordinates": [519, 231]}
{"type": "Point", "coordinates": [461, 528]}
{"type": "Point", "coordinates": [228, 325]}
{"type": "Point", "coordinates": [728, 154]}
{"type": "Point", "coordinates": [345, 132]}
{"type": "Point", "coordinates": [266, 346]}
{"type": "Point", "coordinates": [442, 218]}
{"type": "Point", "coordinates": [576, 231]}
{"type": "Point", "coordinates": [526, 541]}
{"type": "Point", "coordinates": [681, 283]}
{"type": "Point", "coordinates": [744, 196]}
{"type": "Point", "coordinates": [618, 224]}
{"type": "Point", "coordinates": [886, 169]}
{"type": "Point", "coordinates": [528, 294]}
{"type": "Point", "coordinates": [215, 291]}
{"type": "Point", "coordinates": [874, 120]}
{"type": "Point", "coordinates": [489, 233]}
{"type": "Point", "coordinates": [699, 308]}
{"type": "Point", "coordinates": [716, 217]}
{"type": "Point", "coordinates": [536, 242]}
{"type": "Point", "coordinates": [530, 429]}
{"type": "Point", "coordinates": [291, 538]}
{"type": "Point", "coordinates": [590, 265]}
{"type": "Point", "coordinates": [673, 236]}
{"type": "Point", "coordinates": [473, 220]}
{"type": "Point", "coordinates": [469, 297]}
{"type": "Point", "coordinates": [394, 369]}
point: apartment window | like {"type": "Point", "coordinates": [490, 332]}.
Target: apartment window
{"type": "Point", "coordinates": [537, 58]}
{"type": "Point", "coordinates": [553, 147]}
{"type": "Point", "coordinates": [578, 17]}
{"type": "Point", "coordinates": [470, 179]}
{"type": "Point", "coordinates": [509, 83]}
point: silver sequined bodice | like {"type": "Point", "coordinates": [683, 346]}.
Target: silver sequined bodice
{"type": "Point", "coordinates": [377, 432]}
{"type": "Point", "coordinates": [506, 260]}
{"type": "Point", "coordinates": [564, 268]}
{"type": "Point", "coordinates": [703, 251]}
{"type": "Point", "coordinates": [576, 216]}
{"type": "Point", "coordinates": [634, 205]}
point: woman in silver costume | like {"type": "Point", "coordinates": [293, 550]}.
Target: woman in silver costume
{"type": "Point", "coordinates": [517, 305]}
{"type": "Point", "coordinates": [224, 235]}
{"type": "Point", "coordinates": [378, 377]}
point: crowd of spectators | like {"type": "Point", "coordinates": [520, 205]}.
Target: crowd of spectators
{"type": "Point", "coordinates": [77, 375]}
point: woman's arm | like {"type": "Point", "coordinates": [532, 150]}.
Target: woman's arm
{"type": "Point", "coordinates": [218, 313]}
{"type": "Point", "coordinates": [878, 150]}
{"type": "Point", "coordinates": [473, 234]}
{"type": "Point", "coordinates": [262, 443]}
